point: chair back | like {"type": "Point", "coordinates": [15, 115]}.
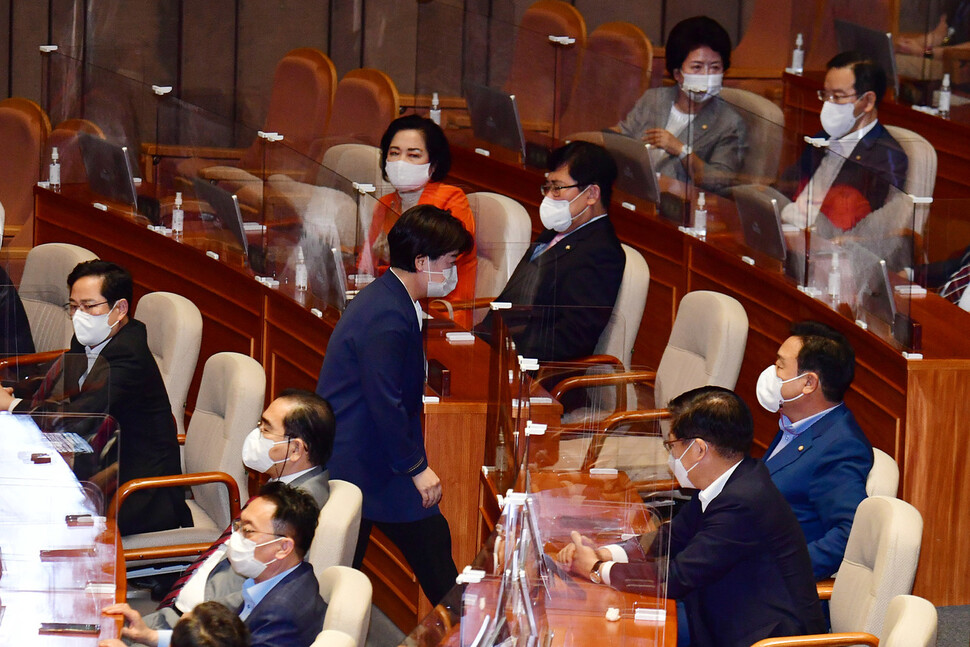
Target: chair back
{"type": "Point", "coordinates": [706, 346]}
{"type": "Point", "coordinates": [366, 102]}
{"type": "Point", "coordinates": [911, 621]}
{"type": "Point", "coordinates": [300, 102]}
{"type": "Point", "coordinates": [359, 163]}
{"type": "Point", "coordinates": [765, 123]}
{"type": "Point", "coordinates": [229, 404]}
{"type": "Point", "coordinates": [174, 327]}
{"type": "Point", "coordinates": [879, 564]}
{"type": "Point", "coordinates": [43, 290]}
{"type": "Point", "coordinates": [621, 331]}
{"type": "Point", "coordinates": [883, 479]}
{"type": "Point", "coordinates": [335, 539]}
{"type": "Point", "coordinates": [24, 128]}
{"type": "Point", "coordinates": [333, 638]}
{"type": "Point", "coordinates": [65, 138]}
{"type": "Point", "coordinates": [543, 72]}
{"type": "Point", "coordinates": [347, 593]}
{"type": "Point", "coordinates": [921, 171]}
{"type": "Point", "coordinates": [617, 64]}
{"type": "Point", "coordinates": [502, 235]}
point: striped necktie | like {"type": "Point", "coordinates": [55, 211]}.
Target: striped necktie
{"type": "Point", "coordinates": [954, 288]}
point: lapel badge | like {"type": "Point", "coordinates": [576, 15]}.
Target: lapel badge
{"type": "Point", "coordinates": [801, 447]}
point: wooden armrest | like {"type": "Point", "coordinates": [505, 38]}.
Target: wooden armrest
{"type": "Point", "coordinates": [824, 588]}
{"type": "Point", "coordinates": [612, 422]}
{"type": "Point", "coordinates": [606, 379]}
{"type": "Point", "coordinates": [30, 360]}
{"type": "Point", "coordinates": [821, 640]}
{"type": "Point", "coordinates": [181, 439]}
{"type": "Point", "coordinates": [178, 480]}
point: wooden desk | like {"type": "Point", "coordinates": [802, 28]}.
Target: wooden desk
{"type": "Point", "coordinates": [912, 409]}
{"type": "Point", "coordinates": [273, 326]}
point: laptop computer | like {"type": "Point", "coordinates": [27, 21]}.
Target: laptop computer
{"type": "Point", "coordinates": [225, 207]}
{"type": "Point", "coordinates": [635, 174]}
{"type": "Point", "coordinates": [877, 44]}
{"type": "Point", "coordinates": [495, 117]}
{"type": "Point", "coordinates": [108, 169]}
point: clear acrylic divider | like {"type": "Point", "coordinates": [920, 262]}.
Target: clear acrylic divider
{"type": "Point", "coordinates": [15, 335]}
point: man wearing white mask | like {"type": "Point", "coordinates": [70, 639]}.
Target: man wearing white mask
{"type": "Point", "coordinates": [567, 281]}
{"type": "Point", "coordinates": [110, 370]}
{"type": "Point", "coordinates": [820, 458]}
{"type": "Point", "coordinates": [858, 162]}
{"type": "Point", "coordinates": [695, 135]}
{"type": "Point", "coordinates": [737, 557]}
{"type": "Point", "coordinates": [279, 601]}
{"type": "Point", "coordinates": [373, 375]}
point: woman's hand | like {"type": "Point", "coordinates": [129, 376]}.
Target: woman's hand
{"type": "Point", "coordinates": [663, 139]}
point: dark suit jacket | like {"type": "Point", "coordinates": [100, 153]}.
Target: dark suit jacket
{"type": "Point", "coordinates": [373, 377]}
{"type": "Point", "coordinates": [568, 292]}
{"type": "Point", "coordinates": [741, 566]}
{"type": "Point", "coordinates": [126, 384]}
{"type": "Point", "coordinates": [822, 474]}
{"type": "Point", "coordinates": [15, 336]}
{"type": "Point", "coordinates": [935, 275]}
{"type": "Point", "coordinates": [291, 614]}
{"type": "Point", "coordinates": [876, 163]}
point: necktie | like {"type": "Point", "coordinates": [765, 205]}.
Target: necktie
{"type": "Point", "coordinates": [954, 288]}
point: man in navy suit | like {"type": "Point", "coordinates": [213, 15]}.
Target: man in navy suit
{"type": "Point", "coordinates": [373, 375]}
{"type": "Point", "coordinates": [736, 557]}
{"type": "Point", "coordinates": [568, 279]}
{"type": "Point", "coordinates": [820, 459]}
{"type": "Point", "coordinates": [280, 600]}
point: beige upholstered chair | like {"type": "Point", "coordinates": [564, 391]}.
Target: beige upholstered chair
{"type": "Point", "coordinates": [879, 565]}
{"type": "Point", "coordinates": [621, 331]}
{"type": "Point", "coordinates": [347, 593]}
{"type": "Point", "coordinates": [335, 539]}
{"type": "Point", "coordinates": [366, 102]}
{"type": "Point", "coordinates": [911, 621]}
{"type": "Point", "coordinates": [24, 128]}
{"type": "Point", "coordinates": [502, 235]}
{"type": "Point", "coordinates": [174, 327]}
{"type": "Point", "coordinates": [359, 163]}
{"type": "Point", "coordinates": [333, 638]}
{"type": "Point", "coordinates": [229, 404]}
{"type": "Point", "coordinates": [765, 125]}
{"type": "Point", "coordinates": [921, 172]}
{"type": "Point", "coordinates": [43, 290]}
{"type": "Point", "coordinates": [883, 478]}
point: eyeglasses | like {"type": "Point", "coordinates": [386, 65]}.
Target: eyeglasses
{"type": "Point", "coordinates": [71, 308]}
{"type": "Point", "coordinates": [669, 444]}
{"type": "Point", "coordinates": [556, 189]}
{"type": "Point", "coordinates": [834, 98]}
{"type": "Point", "coordinates": [237, 526]}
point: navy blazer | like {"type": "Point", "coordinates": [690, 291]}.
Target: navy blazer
{"type": "Point", "coordinates": [291, 614]}
{"type": "Point", "coordinates": [822, 474]}
{"type": "Point", "coordinates": [373, 376]}
{"type": "Point", "coordinates": [568, 293]}
{"type": "Point", "coordinates": [740, 567]}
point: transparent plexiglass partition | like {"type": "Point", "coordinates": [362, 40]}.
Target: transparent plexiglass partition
{"type": "Point", "coordinates": [15, 337]}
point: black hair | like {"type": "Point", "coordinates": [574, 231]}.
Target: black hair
{"type": "Point", "coordinates": [691, 33]}
{"type": "Point", "coordinates": [311, 420]}
{"type": "Point", "coordinates": [869, 75]}
{"type": "Point", "coordinates": [295, 516]}
{"type": "Point", "coordinates": [426, 230]}
{"type": "Point", "coordinates": [715, 414]}
{"type": "Point", "coordinates": [827, 353]}
{"type": "Point", "coordinates": [116, 282]}
{"type": "Point", "coordinates": [587, 163]}
{"type": "Point", "coordinates": [435, 142]}
{"type": "Point", "coordinates": [210, 624]}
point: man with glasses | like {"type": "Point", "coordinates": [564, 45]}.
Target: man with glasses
{"type": "Point", "coordinates": [836, 184]}
{"type": "Point", "coordinates": [568, 279]}
{"type": "Point", "coordinates": [735, 553]}
{"type": "Point", "coordinates": [280, 601]}
{"type": "Point", "coordinates": [110, 370]}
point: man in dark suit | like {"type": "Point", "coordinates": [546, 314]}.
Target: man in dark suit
{"type": "Point", "coordinates": [15, 336]}
{"type": "Point", "coordinates": [110, 370]}
{"type": "Point", "coordinates": [859, 167]}
{"type": "Point", "coordinates": [373, 375]}
{"type": "Point", "coordinates": [820, 459]}
{"type": "Point", "coordinates": [280, 600]}
{"type": "Point", "coordinates": [950, 276]}
{"type": "Point", "coordinates": [566, 283]}
{"type": "Point", "coordinates": [737, 556]}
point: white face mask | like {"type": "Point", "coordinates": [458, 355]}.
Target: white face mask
{"type": "Point", "coordinates": [438, 290]}
{"type": "Point", "coordinates": [555, 214]}
{"type": "Point", "coordinates": [242, 555]}
{"type": "Point", "coordinates": [255, 452]}
{"type": "Point", "coordinates": [406, 176]}
{"type": "Point", "coordinates": [837, 119]}
{"type": "Point", "coordinates": [769, 389]}
{"type": "Point", "coordinates": [677, 467]}
{"type": "Point", "coordinates": [701, 87]}
{"type": "Point", "coordinates": [91, 330]}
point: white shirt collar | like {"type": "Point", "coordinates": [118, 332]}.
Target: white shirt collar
{"type": "Point", "coordinates": [417, 306]}
{"type": "Point", "coordinates": [289, 478]}
{"type": "Point", "coordinates": [846, 144]}
{"type": "Point", "coordinates": [710, 493]}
